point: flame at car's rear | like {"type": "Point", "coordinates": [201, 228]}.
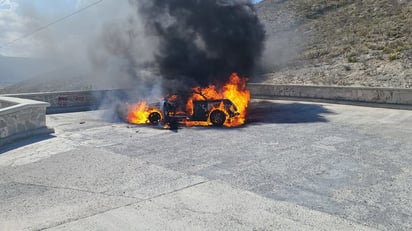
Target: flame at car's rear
{"type": "Point", "coordinates": [207, 106]}
{"type": "Point", "coordinates": [235, 91]}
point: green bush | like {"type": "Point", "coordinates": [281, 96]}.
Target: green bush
{"type": "Point", "coordinates": [352, 58]}
{"type": "Point", "coordinates": [393, 57]}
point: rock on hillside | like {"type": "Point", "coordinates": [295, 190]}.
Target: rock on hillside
{"type": "Point", "coordinates": [334, 42]}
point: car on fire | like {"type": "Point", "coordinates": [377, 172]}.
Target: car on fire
{"type": "Point", "coordinates": [212, 112]}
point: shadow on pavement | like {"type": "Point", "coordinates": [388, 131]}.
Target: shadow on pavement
{"type": "Point", "coordinates": [270, 112]}
{"type": "Point", "coordinates": [24, 142]}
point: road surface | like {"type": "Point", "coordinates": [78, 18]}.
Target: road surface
{"type": "Point", "coordinates": [293, 166]}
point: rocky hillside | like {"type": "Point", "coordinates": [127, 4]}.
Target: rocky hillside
{"type": "Point", "coordinates": [62, 79]}
{"type": "Point", "coordinates": [334, 42]}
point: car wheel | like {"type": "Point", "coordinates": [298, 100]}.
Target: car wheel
{"type": "Point", "coordinates": [217, 118]}
{"type": "Point", "coordinates": [155, 117]}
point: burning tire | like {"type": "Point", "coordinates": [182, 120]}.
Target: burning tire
{"type": "Point", "coordinates": [217, 118]}
{"type": "Point", "coordinates": [155, 117]}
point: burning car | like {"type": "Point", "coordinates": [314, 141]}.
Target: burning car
{"type": "Point", "coordinates": [225, 106]}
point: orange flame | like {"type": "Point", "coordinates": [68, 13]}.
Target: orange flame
{"type": "Point", "coordinates": [234, 90]}
{"type": "Point", "coordinates": [139, 113]}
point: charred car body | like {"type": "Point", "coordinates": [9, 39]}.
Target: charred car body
{"type": "Point", "coordinates": [211, 112]}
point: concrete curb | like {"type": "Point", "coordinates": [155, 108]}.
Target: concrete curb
{"type": "Point", "coordinates": [363, 96]}
{"type": "Point", "coordinates": [397, 98]}
{"type": "Point", "coordinates": [72, 101]}
{"type": "Point", "coordinates": [24, 135]}
{"type": "Point", "coordinates": [21, 118]}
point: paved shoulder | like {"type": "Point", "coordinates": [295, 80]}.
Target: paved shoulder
{"type": "Point", "coordinates": [211, 206]}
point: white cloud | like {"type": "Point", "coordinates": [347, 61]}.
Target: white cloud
{"type": "Point", "coordinates": [8, 16]}
{"type": "Point", "coordinates": [81, 3]}
{"type": "Point", "coordinates": [6, 4]}
{"type": "Point", "coordinates": [13, 26]}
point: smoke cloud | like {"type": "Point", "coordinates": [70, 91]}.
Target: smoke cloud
{"type": "Point", "coordinates": [202, 41]}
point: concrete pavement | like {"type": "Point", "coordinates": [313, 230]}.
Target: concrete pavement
{"type": "Point", "coordinates": [294, 166]}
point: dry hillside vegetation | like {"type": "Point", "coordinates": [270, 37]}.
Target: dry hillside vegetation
{"type": "Point", "coordinates": [334, 42]}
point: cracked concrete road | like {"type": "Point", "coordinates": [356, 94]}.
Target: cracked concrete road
{"type": "Point", "coordinates": [294, 166]}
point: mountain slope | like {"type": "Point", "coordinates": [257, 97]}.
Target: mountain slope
{"type": "Point", "coordinates": [335, 42]}
{"type": "Point", "coordinates": [13, 69]}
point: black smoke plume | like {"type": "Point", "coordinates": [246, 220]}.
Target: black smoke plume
{"type": "Point", "coordinates": [203, 41]}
